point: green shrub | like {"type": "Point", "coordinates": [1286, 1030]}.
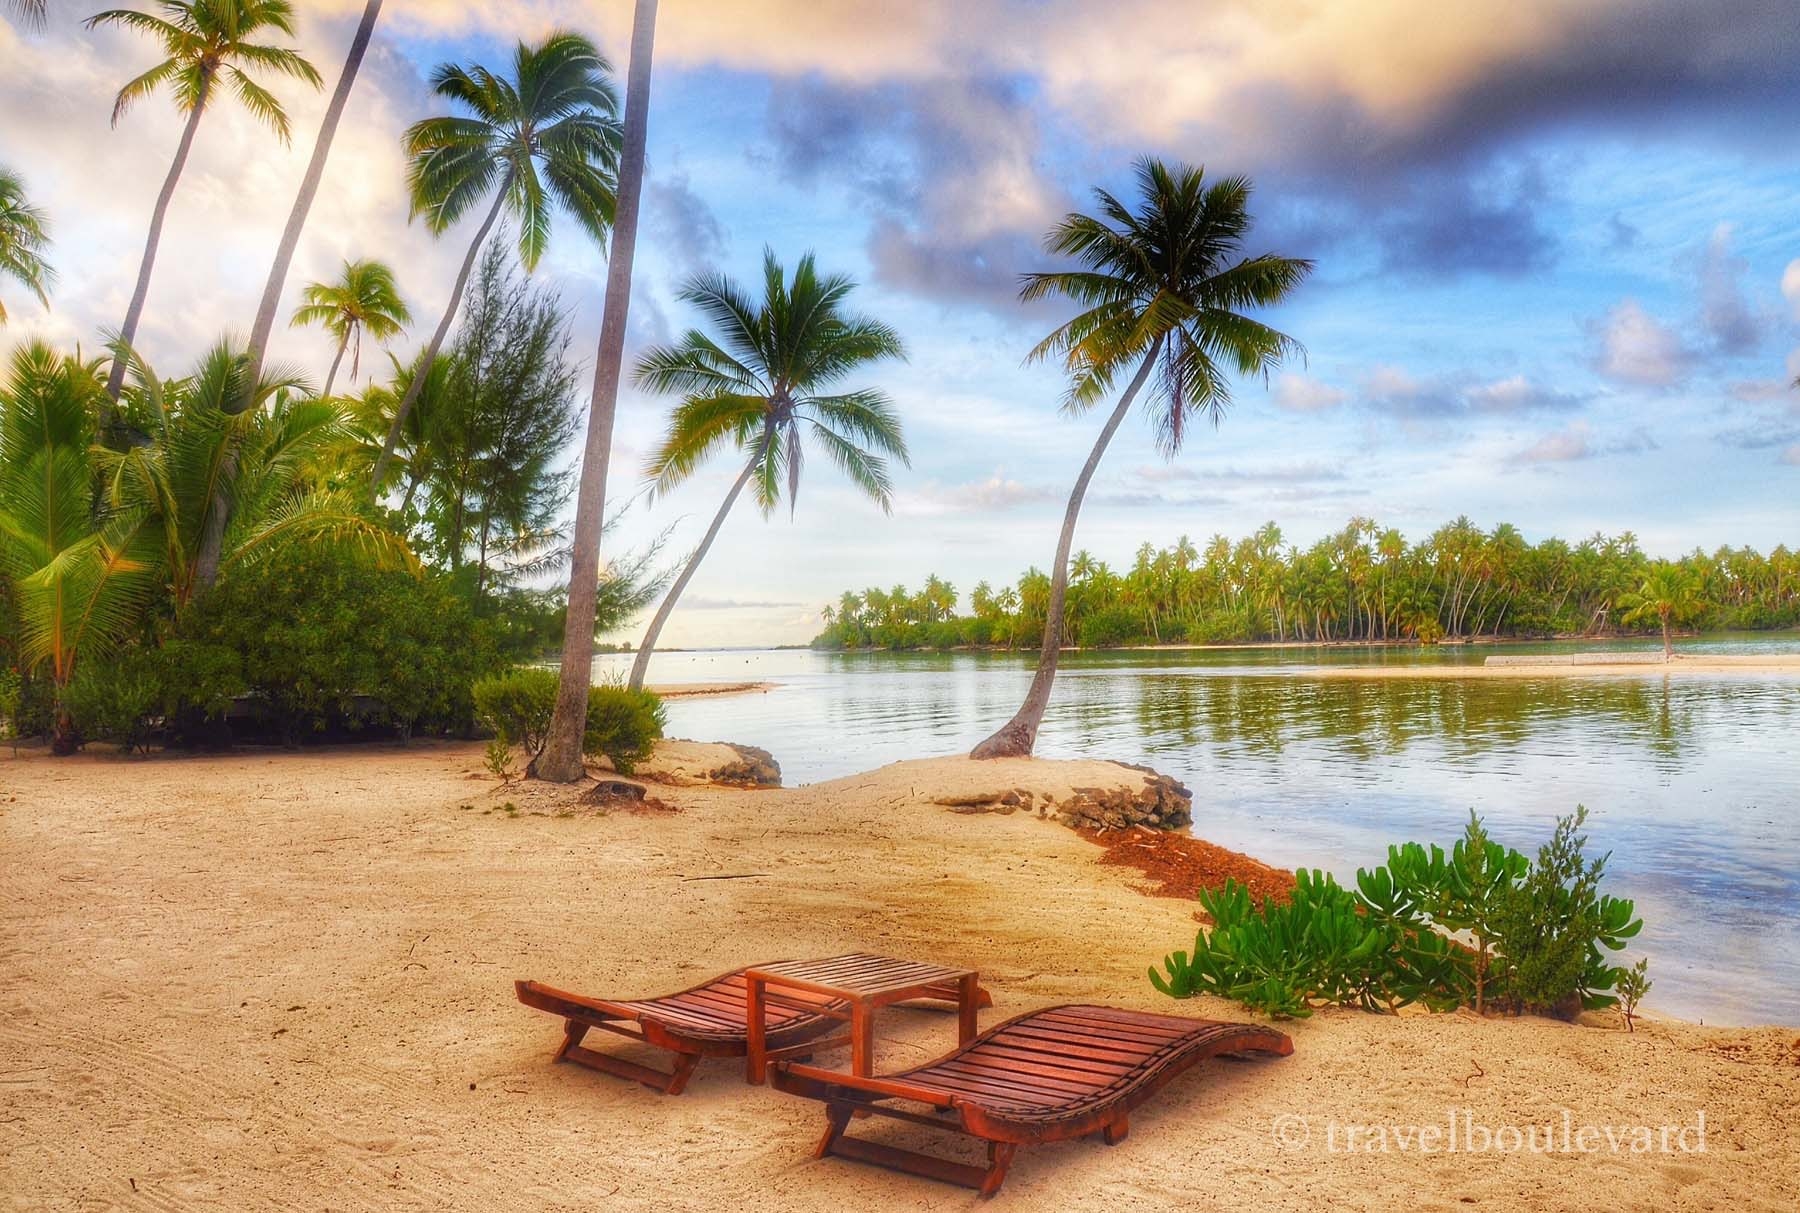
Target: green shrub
{"type": "Point", "coordinates": [117, 700]}
{"type": "Point", "coordinates": [517, 705]}
{"type": "Point", "coordinates": [622, 726]}
{"type": "Point", "coordinates": [12, 695]}
{"type": "Point", "coordinates": [1111, 628]}
{"type": "Point", "coordinates": [325, 639]}
{"type": "Point", "coordinates": [1479, 926]}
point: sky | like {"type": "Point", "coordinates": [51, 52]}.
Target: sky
{"type": "Point", "coordinates": [1557, 247]}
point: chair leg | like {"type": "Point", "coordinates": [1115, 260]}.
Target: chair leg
{"type": "Point", "coordinates": [1117, 1131]}
{"type": "Point", "coordinates": [837, 1119]}
{"type": "Point", "coordinates": [1000, 1156]}
{"type": "Point", "coordinates": [573, 1033]}
{"type": "Point", "coordinates": [684, 1069]}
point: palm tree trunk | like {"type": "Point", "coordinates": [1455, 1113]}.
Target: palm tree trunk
{"type": "Point", "coordinates": [309, 187]}
{"type": "Point", "coordinates": [561, 758]}
{"type": "Point", "coordinates": [1668, 645]}
{"type": "Point", "coordinates": [115, 379]}
{"type": "Point", "coordinates": [437, 340]}
{"type": "Point", "coordinates": [331, 375]}
{"type": "Point", "coordinates": [1018, 735]}
{"type": "Point", "coordinates": [641, 664]}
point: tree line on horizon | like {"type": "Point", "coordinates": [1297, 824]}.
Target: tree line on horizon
{"type": "Point", "coordinates": [1364, 583]}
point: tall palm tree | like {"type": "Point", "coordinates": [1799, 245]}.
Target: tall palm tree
{"type": "Point", "coordinates": [364, 298]}
{"type": "Point", "coordinates": [560, 760]}
{"type": "Point", "coordinates": [1164, 288]}
{"type": "Point", "coordinates": [546, 136]}
{"type": "Point", "coordinates": [24, 235]}
{"type": "Point", "coordinates": [761, 388]}
{"type": "Point", "coordinates": [309, 188]}
{"type": "Point", "coordinates": [208, 44]}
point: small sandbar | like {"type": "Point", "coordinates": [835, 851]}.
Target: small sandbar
{"type": "Point", "coordinates": [710, 690]}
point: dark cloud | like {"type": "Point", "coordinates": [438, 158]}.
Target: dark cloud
{"type": "Point", "coordinates": [1760, 434]}
{"type": "Point", "coordinates": [1725, 313]}
{"type": "Point", "coordinates": [680, 220]}
{"type": "Point", "coordinates": [1452, 224]}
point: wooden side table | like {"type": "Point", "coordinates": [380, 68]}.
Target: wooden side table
{"type": "Point", "coordinates": [860, 984]}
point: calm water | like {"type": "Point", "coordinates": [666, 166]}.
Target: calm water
{"type": "Point", "coordinates": [1690, 782]}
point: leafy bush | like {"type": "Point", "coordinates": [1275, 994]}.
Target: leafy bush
{"type": "Point", "coordinates": [622, 725]}
{"type": "Point", "coordinates": [517, 705]}
{"type": "Point", "coordinates": [1110, 628]}
{"type": "Point", "coordinates": [117, 701]}
{"type": "Point", "coordinates": [12, 695]}
{"type": "Point", "coordinates": [325, 639]}
{"type": "Point", "coordinates": [1479, 926]}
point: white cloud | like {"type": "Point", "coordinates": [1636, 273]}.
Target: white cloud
{"type": "Point", "coordinates": [1577, 441]}
{"type": "Point", "coordinates": [1790, 287]}
{"type": "Point", "coordinates": [1635, 347]}
{"type": "Point", "coordinates": [1791, 456]}
{"type": "Point", "coordinates": [1303, 394]}
{"type": "Point", "coordinates": [998, 492]}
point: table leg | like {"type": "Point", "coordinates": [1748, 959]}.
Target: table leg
{"type": "Point", "coordinates": [862, 1039]}
{"type": "Point", "coordinates": [756, 1060]}
{"type": "Point", "coordinates": [968, 992]}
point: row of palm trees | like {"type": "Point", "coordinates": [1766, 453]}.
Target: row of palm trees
{"type": "Point", "coordinates": [1362, 584]}
{"type": "Point", "coordinates": [1162, 287]}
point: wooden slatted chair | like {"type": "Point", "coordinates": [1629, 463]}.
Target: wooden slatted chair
{"type": "Point", "coordinates": [1049, 1075]}
{"type": "Point", "coordinates": [707, 1020]}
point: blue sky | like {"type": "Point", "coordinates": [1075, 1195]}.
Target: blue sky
{"type": "Point", "coordinates": [1558, 253]}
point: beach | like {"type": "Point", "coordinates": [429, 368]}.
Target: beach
{"type": "Point", "coordinates": [280, 980]}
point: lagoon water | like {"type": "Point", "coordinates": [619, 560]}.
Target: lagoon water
{"type": "Point", "coordinates": [1690, 782]}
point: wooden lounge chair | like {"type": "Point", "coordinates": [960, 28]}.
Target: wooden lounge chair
{"type": "Point", "coordinates": [708, 1020]}
{"type": "Point", "coordinates": [1049, 1075]}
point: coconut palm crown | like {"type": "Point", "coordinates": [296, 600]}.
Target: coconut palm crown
{"type": "Point", "coordinates": [363, 299]}
{"type": "Point", "coordinates": [24, 235]}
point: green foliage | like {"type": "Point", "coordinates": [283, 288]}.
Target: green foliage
{"type": "Point", "coordinates": [12, 696]}
{"type": "Point", "coordinates": [117, 701]}
{"type": "Point", "coordinates": [1556, 928]}
{"type": "Point", "coordinates": [1633, 984]}
{"type": "Point", "coordinates": [499, 759]}
{"type": "Point", "coordinates": [24, 239]}
{"type": "Point", "coordinates": [516, 704]}
{"type": "Point", "coordinates": [622, 725]}
{"type": "Point", "coordinates": [326, 640]}
{"type": "Point", "coordinates": [1365, 583]}
{"type": "Point", "coordinates": [1476, 926]}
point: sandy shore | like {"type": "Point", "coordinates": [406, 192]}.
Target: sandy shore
{"type": "Point", "coordinates": [281, 981]}
{"type": "Point", "coordinates": [709, 690]}
{"type": "Point", "coordinates": [1776, 665]}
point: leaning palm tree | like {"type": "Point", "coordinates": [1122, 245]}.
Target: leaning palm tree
{"type": "Point", "coordinates": [309, 188]}
{"type": "Point", "coordinates": [24, 235]}
{"type": "Point", "coordinates": [1165, 291]}
{"type": "Point", "coordinates": [364, 298]}
{"type": "Point", "coordinates": [546, 136]}
{"type": "Point", "coordinates": [761, 388]}
{"type": "Point", "coordinates": [208, 44]}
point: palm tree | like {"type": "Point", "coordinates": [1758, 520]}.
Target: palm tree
{"type": "Point", "coordinates": [24, 235]}
{"type": "Point", "coordinates": [1668, 594]}
{"type": "Point", "coordinates": [546, 136]}
{"type": "Point", "coordinates": [309, 188]}
{"type": "Point", "coordinates": [363, 298]}
{"type": "Point", "coordinates": [761, 388]}
{"type": "Point", "coordinates": [198, 448]}
{"type": "Point", "coordinates": [560, 759]}
{"type": "Point", "coordinates": [208, 42]}
{"type": "Point", "coordinates": [1162, 290]}
{"type": "Point", "coordinates": [78, 576]}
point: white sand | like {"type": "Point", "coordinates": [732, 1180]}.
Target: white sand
{"type": "Point", "coordinates": [283, 981]}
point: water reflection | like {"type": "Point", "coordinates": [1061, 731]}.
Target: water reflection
{"type": "Point", "coordinates": [1689, 781]}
